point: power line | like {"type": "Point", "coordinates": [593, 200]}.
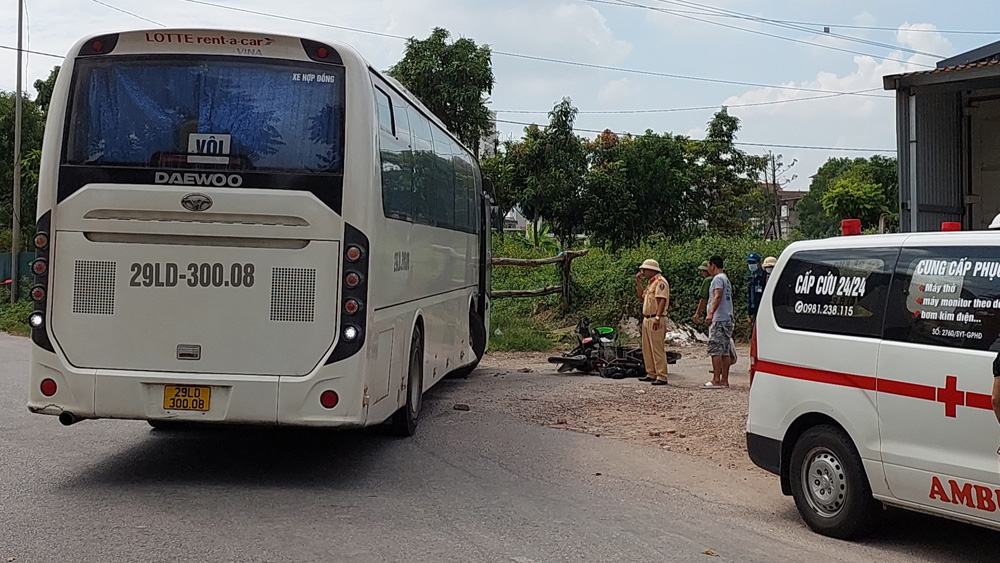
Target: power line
{"type": "Point", "coordinates": [823, 25]}
{"type": "Point", "coordinates": [626, 3]}
{"type": "Point", "coordinates": [697, 108]}
{"type": "Point", "coordinates": [547, 59]}
{"type": "Point", "coordinates": [793, 26]}
{"type": "Point", "coordinates": [9, 48]}
{"type": "Point", "coordinates": [741, 143]}
{"type": "Point", "coordinates": [117, 9]}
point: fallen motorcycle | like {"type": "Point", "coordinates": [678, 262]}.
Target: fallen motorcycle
{"type": "Point", "coordinates": [600, 351]}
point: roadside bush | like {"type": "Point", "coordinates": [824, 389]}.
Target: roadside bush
{"type": "Point", "coordinates": [603, 282]}
{"type": "Point", "coordinates": [14, 318]}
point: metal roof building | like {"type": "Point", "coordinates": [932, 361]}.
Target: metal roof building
{"type": "Point", "coordinates": [948, 141]}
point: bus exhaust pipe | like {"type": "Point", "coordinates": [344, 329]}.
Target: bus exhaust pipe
{"type": "Point", "coordinates": [68, 418]}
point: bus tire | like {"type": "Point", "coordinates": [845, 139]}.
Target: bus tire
{"type": "Point", "coordinates": [404, 420]}
{"type": "Point", "coordinates": [829, 484]}
{"type": "Point", "coordinates": [477, 338]}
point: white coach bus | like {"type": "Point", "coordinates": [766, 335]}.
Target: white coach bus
{"type": "Point", "coordinates": [250, 228]}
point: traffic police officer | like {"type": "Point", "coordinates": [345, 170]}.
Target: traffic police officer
{"type": "Point", "coordinates": [655, 300]}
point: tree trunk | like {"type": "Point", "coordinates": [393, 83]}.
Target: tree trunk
{"type": "Point", "coordinates": [534, 230]}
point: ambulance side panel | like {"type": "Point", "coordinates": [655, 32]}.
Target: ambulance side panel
{"type": "Point", "coordinates": [817, 350]}
{"type": "Point", "coordinates": [939, 432]}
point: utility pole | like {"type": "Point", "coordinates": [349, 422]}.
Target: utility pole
{"type": "Point", "coordinates": [777, 197]}
{"type": "Point", "coordinates": [15, 238]}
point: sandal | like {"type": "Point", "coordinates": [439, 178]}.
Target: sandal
{"type": "Point", "coordinates": [711, 385]}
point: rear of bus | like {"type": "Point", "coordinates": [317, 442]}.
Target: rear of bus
{"type": "Point", "coordinates": [193, 253]}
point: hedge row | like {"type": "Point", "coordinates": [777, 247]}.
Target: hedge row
{"type": "Point", "coordinates": [603, 282]}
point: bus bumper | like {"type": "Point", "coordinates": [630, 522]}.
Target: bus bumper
{"type": "Point", "coordinates": [234, 399]}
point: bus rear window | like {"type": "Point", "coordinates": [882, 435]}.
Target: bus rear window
{"type": "Point", "coordinates": [277, 116]}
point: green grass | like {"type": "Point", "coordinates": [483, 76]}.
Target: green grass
{"type": "Point", "coordinates": [517, 334]}
{"type": "Point", "coordinates": [14, 318]}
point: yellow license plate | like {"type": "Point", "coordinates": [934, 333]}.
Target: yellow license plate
{"type": "Point", "coordinates": [186, 398]}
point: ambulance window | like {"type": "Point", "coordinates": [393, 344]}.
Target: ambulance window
{"type": "Point", "coordinates": [946, 296]}
{"type": "Point", "coordinates": [840, 291]}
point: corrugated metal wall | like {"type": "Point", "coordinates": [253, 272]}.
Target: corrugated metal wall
{"type": "Point", "coordinates": [903, 155]}
{"type": "Point", "coordinates": [938, 160]}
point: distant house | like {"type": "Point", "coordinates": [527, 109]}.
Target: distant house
{"type": "Point", "coordinates": [787, 218]}
{"type": "Point", "coordinates": [514, 221]}
{"type": "Point", "coordinates": [490, 139]}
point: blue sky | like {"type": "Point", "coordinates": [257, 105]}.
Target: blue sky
{"type": "Point", "coordinates": [614, 33]}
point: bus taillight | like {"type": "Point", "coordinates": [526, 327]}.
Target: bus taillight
{"type": "Point", "coordinates": [352, 306]}
{"type": "Point", "coordinates": [353, 254]}
{"type": "Point", "coordinates": [40, 267]}
{"type": "Point", "coordinates": [41, 241]}
{"type": "Point", "coordinates": [352, 280]}
{"type": "Point", "coordinates": [38, 293]}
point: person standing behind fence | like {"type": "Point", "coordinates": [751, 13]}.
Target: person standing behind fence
{"type": "Point", "coordinates": [720, 320]}
{"type": "Point", "coordinates": [655, 299]}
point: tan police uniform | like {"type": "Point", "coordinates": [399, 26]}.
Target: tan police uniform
{"type": "Point", "coordinates": [654, 351]}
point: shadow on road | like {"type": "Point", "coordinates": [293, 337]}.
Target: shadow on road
{"type": "Point", "coordinates": [264, 457]}
{"type": "Point", "coordinates": [933, 537]}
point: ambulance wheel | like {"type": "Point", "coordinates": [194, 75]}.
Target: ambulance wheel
{"type": "Point", "coordinates": [404, 421]}
{"type": "Point", "coordinates": [829, 484]}
{"type": "Point", "coordinates": [477, 339]}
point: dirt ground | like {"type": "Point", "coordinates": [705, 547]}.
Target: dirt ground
{"type": "Point", "coordinates": [679, 417]}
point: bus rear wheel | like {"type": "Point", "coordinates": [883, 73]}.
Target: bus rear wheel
{"type": "Point", "coordinates": [477, 339]}
{"type": "Point", "coordinates": [404, 421]}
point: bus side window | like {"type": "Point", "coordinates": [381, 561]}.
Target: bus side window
{"type": "Point", "coordinates": [394, 156]}
{"type": "Point", "coordinates": [384, 112]}
{"type": "Point", "coordinates": [465, 191]}
{"type": "Point", "coordinates": [423, 159]}
{"type": "Point", "coordinates": [443, 180]}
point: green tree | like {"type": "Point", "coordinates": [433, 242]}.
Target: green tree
{"type": "Point", "coordinates": [867, 189]}
{"type": "Point", "coordinates": [724, 177]}
{"type": "Point", "coordinates": [32, 128]}
{"type": "Point", "coordinates": [453, 80]}
{"type": "Point", "coordinates": [814, 222]}
{"type": "Point", "coordinates": [546, 173]}
{"type": "Point", "coordinates": [820, 215]}
{"type": "Point", "coordinates": [637, 187]}
{"type": "Point", "coordinates": [44, 89]}
{"type": "Point", "coordinates": [500, 170]}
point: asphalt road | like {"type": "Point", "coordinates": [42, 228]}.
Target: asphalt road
{"type": "Point", "coordinates": [471, 486]}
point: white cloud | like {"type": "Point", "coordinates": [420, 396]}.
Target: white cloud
{"type": "Point", "coordinates": [619, 93]}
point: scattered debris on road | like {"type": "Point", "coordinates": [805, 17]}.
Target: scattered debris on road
{"type": "Point", "coordinates": [462, 407]}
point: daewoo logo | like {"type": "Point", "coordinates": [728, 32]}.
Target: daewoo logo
{"type": "Point", "coordinates": [196, 202]}
{"type": "Point", "coordinates": [197, 179]}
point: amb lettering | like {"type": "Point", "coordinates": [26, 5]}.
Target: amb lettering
{"type": "Point", "coordinates": [401, 261]}
{"type": "Point", "coordinates": [972, 496]}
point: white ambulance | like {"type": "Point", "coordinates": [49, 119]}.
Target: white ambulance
{"type": "Point", "coordinates": [871, 380]}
